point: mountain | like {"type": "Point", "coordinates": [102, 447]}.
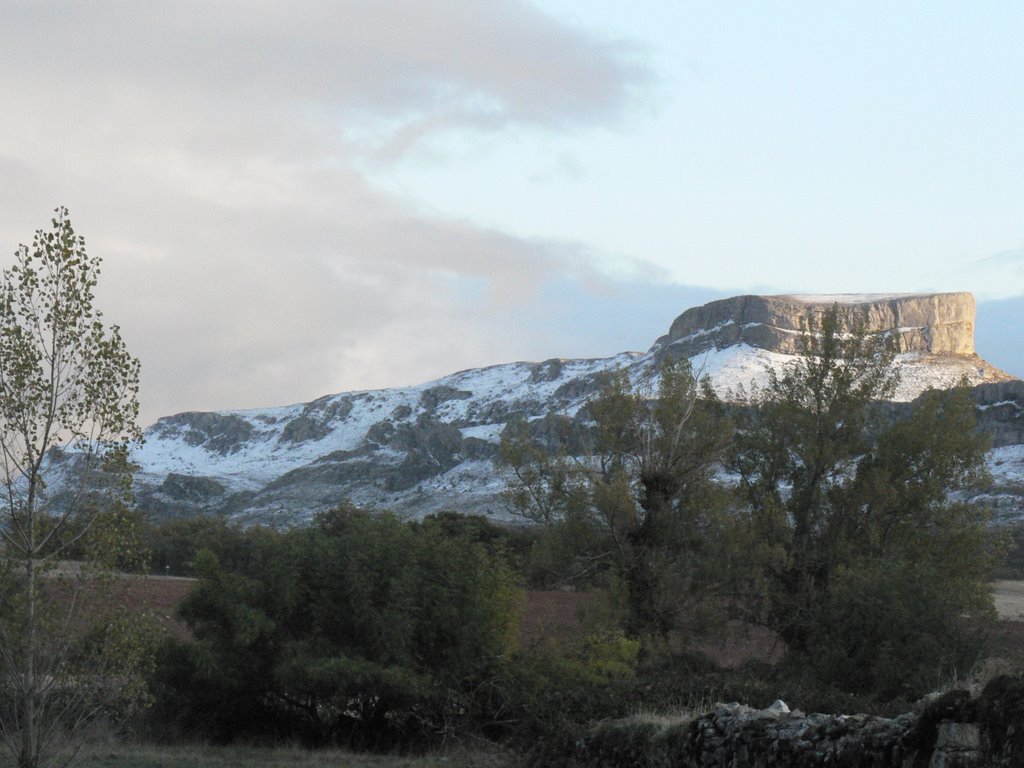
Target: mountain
{"type": "Point", "coordinates": [424, 448]}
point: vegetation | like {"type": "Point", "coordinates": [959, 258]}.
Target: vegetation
{"type": "Point", "coordinates": [869, 563]}
{"type": "Point", "coordinates": [842, 534]}
{"type": "Point", "coordinates": [360, 630]}
{"type": "Point", "coordinates": [641, 501]}
{"type": "Point", "coordinates": [838, 534]}
{"type": "Point", "coordinates": [67, 406]}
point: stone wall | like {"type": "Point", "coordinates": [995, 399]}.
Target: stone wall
{"type": "Point", "coordinates": [954, 730]}
{"type": "Point", "coordinates": [938, 323]}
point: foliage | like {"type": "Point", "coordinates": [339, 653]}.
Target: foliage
{"type": "Point", "coordinates": [635, 496]}
{"type": "Point", "coordinates": [361, 630]}
{"type": "Point", "coordinates": [543, 694]}
{"type": "Point", "coordinates": [892, 630]}
{"type": "Point", "coordinates": [1013, 565]}
{"type": "Point", "coordinates": [68, 409]}
{"type": "Point", "coordinates": [173, 545]}
{"type": "Point", "coordinates": [847, 501]}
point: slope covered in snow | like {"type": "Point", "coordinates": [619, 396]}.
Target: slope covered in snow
{"type": "Point", "coordinates": [428, 447]}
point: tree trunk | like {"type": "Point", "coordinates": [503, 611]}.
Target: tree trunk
{"type": "Point", "coordinates": [28, 755]}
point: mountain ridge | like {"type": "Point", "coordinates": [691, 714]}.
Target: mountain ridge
{"type": "Point", "coordinates": [432, 446]}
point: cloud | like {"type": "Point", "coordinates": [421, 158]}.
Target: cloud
{"type": "Point", "coordinates": [210, 152]}
{"type": "Point", "coordinates": [1010, 258]}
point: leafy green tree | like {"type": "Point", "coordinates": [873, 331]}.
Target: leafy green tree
{"type": "Point", "coordinates": [638, 488]}
{"type": "Point", "coordinates": [68, 408]}
{"type": "Point", "coordinates": [361, 630]}
{"type": "Point", "coordinates": [842, 493]}
{"type": "Point", "coordinates": [798, 444]}
{"type": "Point", "coordinates": [172, 545]}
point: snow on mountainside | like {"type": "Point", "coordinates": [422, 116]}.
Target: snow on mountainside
{"type": "Point", "coordinates": [744, 366]}
{"type": "Point", "coordinates": [429, 447]}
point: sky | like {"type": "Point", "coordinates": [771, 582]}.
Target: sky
{"type": "Point", "coordinates": [295, 199]}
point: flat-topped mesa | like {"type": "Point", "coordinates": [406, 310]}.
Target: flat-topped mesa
{"type": "Point", "coordinates": [939, 324]}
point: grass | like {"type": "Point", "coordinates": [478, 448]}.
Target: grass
{"type": "Point", "coordinates": [116, 755]}
{"type": "Point", "coordinates": [670, 715]}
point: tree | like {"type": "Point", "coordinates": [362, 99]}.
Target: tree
{"type": "Point", "coordinates": [638, 486]}
{"type": "Point", "coordinates": [846, 495]}
{"type": "Point", "coordinates": [797, 446]}
{"type": "Point", "coordinates": [68, 408]}
{"type": "Point", "coordinates": [360, 630]}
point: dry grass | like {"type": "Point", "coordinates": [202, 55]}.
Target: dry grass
{"type": "Point", "coordinates": [681, 714]}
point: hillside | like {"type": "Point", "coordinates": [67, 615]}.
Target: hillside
{"type": "Point", "coordinates": [431, 446]}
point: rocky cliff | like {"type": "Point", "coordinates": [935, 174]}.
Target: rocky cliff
{"type": "Point", "coordinates": [934, 324]}
{"type": "Point", "coordinates": [428, 447]}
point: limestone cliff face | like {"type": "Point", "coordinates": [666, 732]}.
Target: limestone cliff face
{"type": "Point", "coordinates": [935, 324]}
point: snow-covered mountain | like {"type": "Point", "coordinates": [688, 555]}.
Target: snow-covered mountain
{"type": "Point", "coordinates": [429, 447]}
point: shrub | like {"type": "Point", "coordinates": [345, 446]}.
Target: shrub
{"type": "Point", "coordinates": [892, 630]}
{"type": "Point", "coordinates": [362, 630]}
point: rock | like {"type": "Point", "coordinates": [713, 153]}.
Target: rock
{"type": "Point", "coordinates": [779, 706]}
{"type": "Point", "coordinates": [433, 397]}
{"type": "Point", "coordinates": [939, 323]}
{"type": "Point", "coordinates": [549, 370]}
{"type": "Point", "coordinates": [734, 735]}
{"type": "Point", "coordinates": [302, 428]}
{"type": "Point", "coordinates": [191, 488]}
{"type": "Point", "coordinates": [221, 433]}
{"type": "Point", "coordinates": [958, 736]}
{"type": "Point", "coordinates": [958, 746]}
{"type": "Point", "coordinates": [1001, 411]}
{"type": "Point", "coordinates": [317, 420]}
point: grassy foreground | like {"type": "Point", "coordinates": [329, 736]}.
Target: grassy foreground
{"type": "Point", "coordinates": [203, 756]}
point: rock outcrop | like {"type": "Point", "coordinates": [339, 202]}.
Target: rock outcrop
{"type": "Point", "coordinates": [1001, 411]}
{"type": "Point", "coordinates": [934, 323]}
{"type": "Point", "coordinates": [954, 730]}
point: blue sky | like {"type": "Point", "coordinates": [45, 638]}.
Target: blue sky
{"type": "Point", "coordinates": [302, 198]}
{"type": "Point", "coordinates": [782, 146]}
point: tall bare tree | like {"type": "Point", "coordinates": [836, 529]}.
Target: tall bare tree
{"type": "Point", "coordinates": [68, 411]}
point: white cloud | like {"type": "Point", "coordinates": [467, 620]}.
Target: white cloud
{"type": "Point", "coordinates": [210, 151]}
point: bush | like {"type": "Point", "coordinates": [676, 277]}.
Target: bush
{"type": "Point", "coordinates": [361, 630]}
{"type": "Point", "coordinates": [892, 630]}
